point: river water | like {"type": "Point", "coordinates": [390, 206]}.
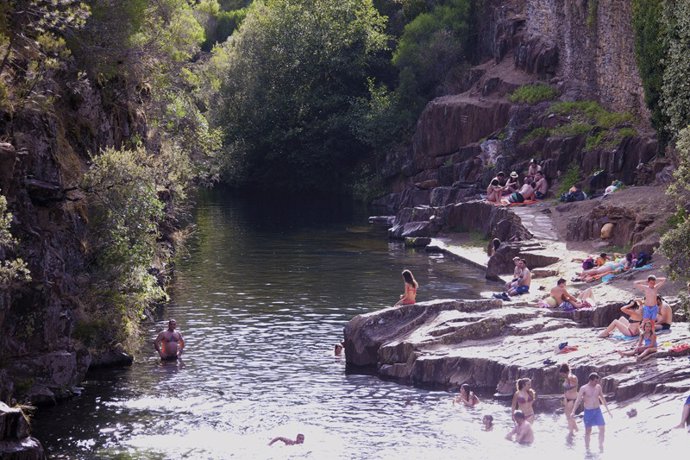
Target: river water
{"type": "Point", "coordinates": [261, 295]}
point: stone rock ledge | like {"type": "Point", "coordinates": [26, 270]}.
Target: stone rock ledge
{"type": "Point", "coordinates": [445, 343]}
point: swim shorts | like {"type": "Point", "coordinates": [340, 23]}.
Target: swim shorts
{"type": "Point", "coordinates": [521, 290]}
{"type": "Point", "coordinates": [687, 401]}
{"type": "Point", "coordinates": [567, 306]}
{"type": "Point", "coordinates": [594, 417]}
{"type": "Point", "coordinates": [665, 326]}
{"type": "Point", "coordinates": [650, 312]}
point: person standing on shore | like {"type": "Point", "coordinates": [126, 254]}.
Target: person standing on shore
{"type": "Point", "coordinates": [411, 285]}
{"type": "Point", "coordinates": [592, 396]}
{"type": "Point", "coordinates": [650, 310]}
{"type": "Point", "coordinates": [169, 343]}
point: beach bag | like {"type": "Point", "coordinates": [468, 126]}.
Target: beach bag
{"type": "Point", "coordinates": [588, 263]}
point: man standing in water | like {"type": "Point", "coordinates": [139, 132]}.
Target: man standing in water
{"type": "Point", "coordinates": [169, 344]}
{"type": "Point", "coordinates": [592, 395]}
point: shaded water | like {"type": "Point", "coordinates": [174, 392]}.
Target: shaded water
{"type": "Point", "coordinates": [261, 297]}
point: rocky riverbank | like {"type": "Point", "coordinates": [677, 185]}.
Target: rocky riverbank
{"type": "Point", "coordinates": [490, 343]}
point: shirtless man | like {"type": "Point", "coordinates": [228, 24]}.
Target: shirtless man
{"type": "Point", "coordinates": [516, 274]}
{"type": "Point", "coordinates": [523, 281]}
{"type": "Point", "coordinates": [169, 344]}
{"type": "Point", "coordinates": [650, 310]}
{"type": "Point", "coordinates": [523, 430]}
{"type": "Point", "coordinates": [593, 396]}
{"type": "Point", "coordinates": [541, 186]}
{"type": "Point", "coordinates": [665, 316]}
{"type": "Point", "coordinates": [289, 442]}
{"type": "Point", "coordinates": [560, 294]}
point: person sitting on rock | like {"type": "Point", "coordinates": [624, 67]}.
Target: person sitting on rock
{"type": "Point", "coordinates": [517, 273]}
{"type": "Point", "coordinates": [541, 186]}
{"type": "Point", "coordinates": [524, 280]}
{"type": "Point", "coordinates": [665, 317]}
{"type": "Point", "coordinates": [501, 178]}
{"type": "Point", "coordinates": [466, 396]}
{"type": "Point", "coordinates": [627, 327]}
{"type": "Point", "coordinates": [646, 345]}
{"type": "Point", "coordinates": [512, 184]}
{"type": "Point", "coordinates": [411, 285]}
{"type": "Point", "coordinates": [493, 246]}
{"type": "Point", "coordinates": [494, 191]}
{"type": "Point", "coordinates": [560, 297]}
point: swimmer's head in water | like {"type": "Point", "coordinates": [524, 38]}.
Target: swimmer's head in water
{"type": "Point", "coordinates": [488, 420]}
{"type": "Point", "coordinates": [300, 439]}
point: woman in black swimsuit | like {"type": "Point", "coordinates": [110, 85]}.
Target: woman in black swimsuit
{"type": "Point", "coordinates": [569, 394]}
{"type": "Point", "coordinates": [631, 327]}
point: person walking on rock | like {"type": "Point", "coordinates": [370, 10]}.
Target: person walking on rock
{"type": "Point", "coordinates": [411, 285]}
{"type": "Point", "coordinates": [593, 396]}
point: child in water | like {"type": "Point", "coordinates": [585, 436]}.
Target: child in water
{"type": "Point", "coordinates": [411, 285]}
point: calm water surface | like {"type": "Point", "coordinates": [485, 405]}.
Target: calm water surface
{"type": "Point", "coordinates": [261, 296]}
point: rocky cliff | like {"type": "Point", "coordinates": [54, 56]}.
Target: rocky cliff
{"type": "Point", "coordinates": [582, 49]}
{"type": "Point", "coordinates": [42, 163]}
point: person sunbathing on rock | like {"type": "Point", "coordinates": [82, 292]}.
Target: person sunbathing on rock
{"type": "Point", "coordinates": [466, 396]}
{"type": "Point", "coordinates": [525, 193]}
{"type": "Point", "coordinates": [612, 266]}
{"type": "Point", "coordinates": [646, 345]}
{"type": "Point", "coordinates": [627, 327]}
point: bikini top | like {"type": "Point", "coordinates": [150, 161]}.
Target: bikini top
{"type": "Point", "coordinates": [522, 400]}
{"type": "Point", "coordinates": [567, 386]}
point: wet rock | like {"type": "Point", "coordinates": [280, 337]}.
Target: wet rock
{"type": "Point", "coordinates": [16, 442]}
{"type": "Point", "coordinates": [382, 220]}
{"type": "Point", "coordinates": [418, 242]}
{"type": "Point", "coordinates": [444, 343]}
{"type": "Point", "coordinates": [412, 229]}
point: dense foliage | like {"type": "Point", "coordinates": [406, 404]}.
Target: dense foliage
{"type": "Point", "coordinates": [676, 92]}
{"type": "Point", "coordinates": [649, 53]}
{"type": "Point", "coordinates": [11, 269]}
{"type": "Point", "coordinates": [293, 71]}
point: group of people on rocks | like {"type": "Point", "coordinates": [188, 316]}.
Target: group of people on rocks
{"type": "Point", "coordinates": [504, 189]}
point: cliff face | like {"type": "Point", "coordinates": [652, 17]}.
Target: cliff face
{"type": "Point", "coordinates": [582, 49]}
{"type": "Point", "coordinates": [42, 164]}
{"type": "Point", "coordinates": [596, 45]}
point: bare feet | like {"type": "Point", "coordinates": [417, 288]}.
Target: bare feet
{"type": "Point", "coordinates": [604, 334]}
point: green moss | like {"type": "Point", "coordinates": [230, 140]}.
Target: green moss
{"type": "Point", "coordinates": [532, 94]}
{"type": "Point", "coordinates": [570, 178]}
{"type": "Point", "coordinates": [572, 129]}
{"type": "Point", "coordinates": [536, 133]}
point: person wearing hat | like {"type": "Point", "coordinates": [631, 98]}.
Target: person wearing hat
{"type": "Point", "coordinates": [512, 185]}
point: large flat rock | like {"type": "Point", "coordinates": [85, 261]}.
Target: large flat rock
{"type": "Point", "coordinates": [489, 344]}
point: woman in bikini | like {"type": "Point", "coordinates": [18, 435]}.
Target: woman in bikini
{"type": "Point", "coordinates": [628, 327]}
{"type": "Point", "coordinates": [523, 399]}
{"type": "Point", "coordinates": [411, 285]}
{"type": "Point", "coordinates": [569, 394]}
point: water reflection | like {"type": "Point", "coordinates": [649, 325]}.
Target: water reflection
{"type": "Point", "coordinates": [261, 298]}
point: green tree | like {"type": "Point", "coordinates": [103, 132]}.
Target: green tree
{"type": "Point", "coordinates": [649, 53]}
{"type": "Point", "coordinates": [675, 243]}
{"type": "Point", "coordinates": [293, 72]}
{"type": "Point", "coordinates": [32, 46]}
{"type": "Point", "coordinates": [434, 47]}
{"type": "Point", "coordinates": [11, 269]}
{"type": "Point", "coordinates": [676, 92]}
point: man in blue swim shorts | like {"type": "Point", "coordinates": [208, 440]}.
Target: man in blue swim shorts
{"type": "Point", "coordinates": [592, 396]}
{"type": "Point", "coordinates": [650, 310]}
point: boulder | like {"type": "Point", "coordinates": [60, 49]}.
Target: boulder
{"type": "Point", "coordinates": [445, 343]}
{"type": "Point", "coordinates": [16, 442]}
{"type": "Point", "coordinates": [491, 221]}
